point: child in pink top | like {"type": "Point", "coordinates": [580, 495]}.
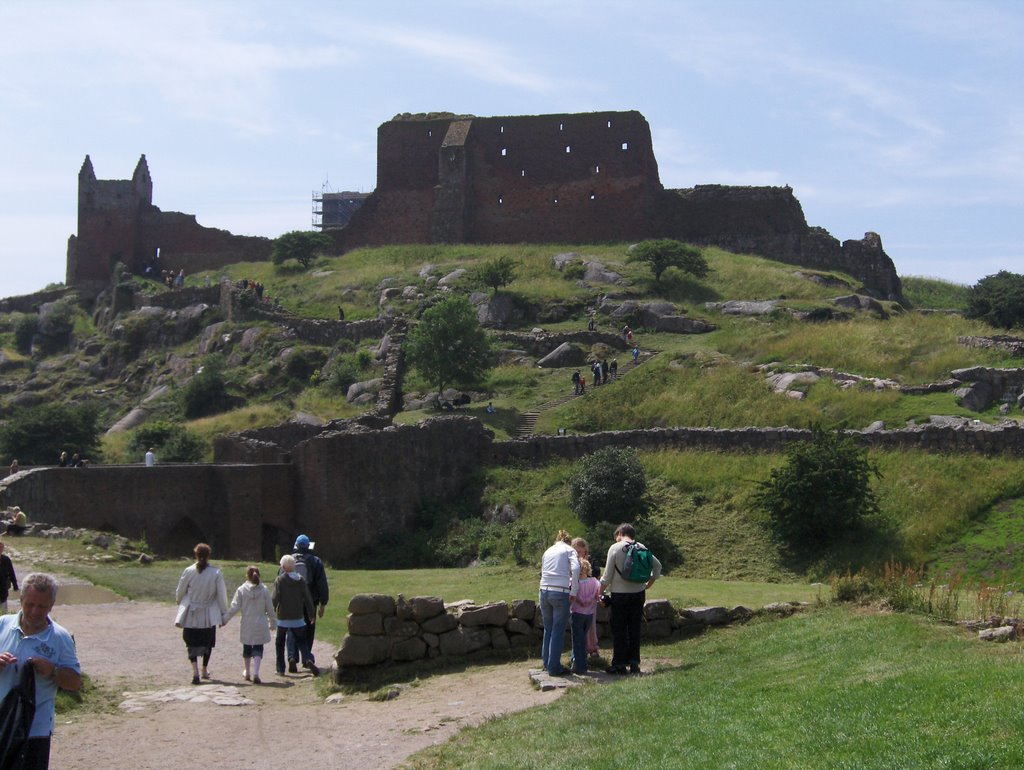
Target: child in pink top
{"type": "Point", "coordinates": [583, 607]}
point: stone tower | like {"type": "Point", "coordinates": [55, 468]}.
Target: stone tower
{"type": "Point", "coordinates": [110, 213]}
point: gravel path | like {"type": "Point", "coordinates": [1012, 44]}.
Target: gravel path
{"type": "Point", "coordinates": [134, 647]}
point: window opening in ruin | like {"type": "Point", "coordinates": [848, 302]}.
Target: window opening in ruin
{"type": "Point", "coordinates": [625, 145]}
{"type": "Point", "coordinates": [523, 172]}
{"type": "Point", "coordinates": [597, 169]}
{"type": "Point", "coordinates": [561, 126]}
{"type": "Point", "coordinates": [430, 132]}
{"type": "Point", "coordinates": [568, 148]}
{"type": "Point", "coordinates": [501, 129]}
{"type": "Point", "coordinates": [609, 124]}
{"type": "Point", "coordinates": [500, 200]}
{"type": "Point", "coordinates": [556, 200]}
{"type": "Point", "coordinates": [593, 195]}
{"type": "Point", "coordinates": [504, 151]}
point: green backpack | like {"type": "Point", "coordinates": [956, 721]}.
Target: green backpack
{"type": "Point", "coordinates": [639, 563]}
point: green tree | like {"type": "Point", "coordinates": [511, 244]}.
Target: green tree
{"type": "Point", "coordinates": [664, 253]}
{"type": "Point", "coordinates": [608, 485]}
{"type": "Point", "coordinates": [448, 346]}
{"type": "Point", "coordinates": [822, 493]}
{"type": "Point", "coordinates": [38, 434]}
{"type": "Point", "coordinates": [300, 245]}
{"type": "Point", "coordinates": [497, 272]}
{"type": "Point", "coordinates": [998, 300]}
{"type": "Point", "coordinates": [174, 443]}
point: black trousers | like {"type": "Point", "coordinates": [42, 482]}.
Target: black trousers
{"type": "Point", "coordinates": [627, 616]}
{"type": "Point", "coordinates": [35, 755]}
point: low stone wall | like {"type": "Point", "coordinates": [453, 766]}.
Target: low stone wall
{"type": "Point", "coordinates": [383, 630]}
{"type": "Point", "coordinates": [986, 439]}
{"type": "Point", "coordinates": [29, 303]}
{"type": "Point", "coordinates": [1012, 345]}
{"type": "Point", "coordinates": [178, 298]}
{"type": "Point", "coordinates": [541, 343]}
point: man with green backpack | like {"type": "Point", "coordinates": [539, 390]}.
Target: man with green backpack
{"type": "Point", "coordinates": [629, 571]}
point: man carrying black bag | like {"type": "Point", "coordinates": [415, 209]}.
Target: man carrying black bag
{"type": "Point", "coordinates": [31, 640]}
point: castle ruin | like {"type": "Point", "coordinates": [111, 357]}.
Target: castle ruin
{"type": "Point", "coordinates": [443, 178]}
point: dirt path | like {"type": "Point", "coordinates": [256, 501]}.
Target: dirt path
{"type": "Point", "coordinates": [133, 646]}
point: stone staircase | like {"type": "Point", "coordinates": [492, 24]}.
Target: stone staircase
{"type": "Point", "coordinates": [527, 422]}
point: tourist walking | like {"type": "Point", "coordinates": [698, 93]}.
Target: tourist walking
{"type": "Point", "coordinates": [311, 567]}
{"type": "Point", "coordinates": [628, 596]}
{"type": "Point", "coordinates": [252, 599]}
{"type": "Point", "coordinates": [559, 583]}
{"type": "Point", "coordinates": [293, 604]}
{"type": "Point", "coordinates": [202, 601]}
{"type": "Point", "coordinates": [31, 640]}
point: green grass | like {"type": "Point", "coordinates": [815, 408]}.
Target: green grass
{"type": "Point", "coordinates": [827, 689]}
{"type": "Point", "coordinates": [990, 549]}
{"type": "Point", "coordinates": [935, 293]}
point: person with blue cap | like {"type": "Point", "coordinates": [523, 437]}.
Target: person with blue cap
{"type": "Point", "coordinates": [311, 567]}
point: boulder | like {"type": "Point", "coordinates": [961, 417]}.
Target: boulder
{"type": "Point", "coordinates": [426, 607]}
{"type": "Point", "coordinates": [133, 419]}
{"type": "Point", "coordinates": [366, 387]}
{"type": "Point", "coordinates": [500, 311]}
{"type": "Point", "coordinates": [499, 639]}
{"type": "Point", "coordinates": [405, 650]}
{"type": "Point", "coordinates": [743, 307]}
{"type": "Point", "coordinates": [861, 302]}
{"type": "Point", "coordinates": [363, 650]}
{"type": "Point", "coordinates": [977, 396]}
{"type": "Point", "coordinates": [598, 273]}
{"type": "Point", "coordinates": [477, 639]}
{"type": "Point", "coordinates": [658, 609]}
{"type": "Point", "coordinates": [403, 629]}
{"type": "Point", "coordinates": [371, 624]}
{"type": "Point", "coordinates": [679, 324]}
{"type": "Point", "coordinates": [439, 624]}
{"type": "Point", "coordinates": [362, 604]}
{"type": "Point", "coordinates": [453, 642]}
{"type": "Point", "coordinates": [708, 616]}
{"type": "Point", "coordinates": [786, 380]}
{"type": "Point", "coordinates": [561, 260]}
{"type": "Point", "coordinates": [562, 356]}
{"type": "Point", "coordinates": [1001, 634]}
{"type": "Point", "coordinates": [517, 626]}
{"type": "Point", "coordinates": [453, 277]}
{"type": "Point", "coordinates": [524, 609]}
{"type": "Point", "coordinates": [495, 614]}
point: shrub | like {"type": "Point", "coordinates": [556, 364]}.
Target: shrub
{"type": "Point", "coordinates": [998, 300]}
{"type": "Point", "coordinates": [173, 442]}
{"type": "Point", "coordinates": [303, 362]}
{"type": "Point", "coordinates": [664, 253]}
{"type": "Point", "coordinates": [300, 245]}
{"type": "Point", "coordinates": [206, 393]}
{"type": "Point", "coordinates": [497, 272]}
{"type": "Point", "coordinates": [822, 493]}
{"type": "Point", "coordinates": [608, 485]}
{"type": "Point", "coordinates": [24, 330]}
{"type": "Point", "coordinates": [37, 435]}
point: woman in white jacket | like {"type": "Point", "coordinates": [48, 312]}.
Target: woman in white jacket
{"type": "Point", "coordinates": [202, 602]}
{"type": "Point", "coordinates": [253, 600]}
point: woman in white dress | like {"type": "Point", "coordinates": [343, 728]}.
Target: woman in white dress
{"type": "Point", "coordinates": [202, 601]}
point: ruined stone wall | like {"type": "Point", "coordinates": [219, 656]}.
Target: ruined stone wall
{"type": "Point", "coordinates": [364, 485]}
{"type": "Point", "coordinates": [587, 177]}
{"type": "Point", "coordinates": [543, 449]}
{"type": "Point", "coordinates": [383, 630]}
{"type": "Point", "coordinates": [234, 508]}
{"type": "Point", "coordinates": [185, 244]}
{"type": "Point", "coordinates": [178, 298]}
{"type": "Point", "coordinates": [29, 303]}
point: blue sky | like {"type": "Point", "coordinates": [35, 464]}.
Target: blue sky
{"type": "Point", "coordinates": [905, 118]}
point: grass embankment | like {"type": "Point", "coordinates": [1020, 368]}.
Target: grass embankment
{"type": "Point", "coordinates": [829, 689]}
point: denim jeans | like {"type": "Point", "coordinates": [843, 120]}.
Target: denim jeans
{"type": "Point", "coordinates": [279, 644]}
{"type": "Point", "coordinates": [554, 609]}
{"type": "Point", "coordinates": [306, 653]}
{"type": "Point", "coordinates": [580, 624]}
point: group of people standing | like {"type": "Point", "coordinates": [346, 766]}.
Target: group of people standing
{"type": "Point", "coordinates": [569, 591]}
{"type": "Point", "coordinates": [601, 372]}
{"type": "Point", "coordinates": [289, 609]}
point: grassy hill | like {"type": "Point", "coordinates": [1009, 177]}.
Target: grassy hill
{"type": "Point", "coordinates": [933, 508]}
